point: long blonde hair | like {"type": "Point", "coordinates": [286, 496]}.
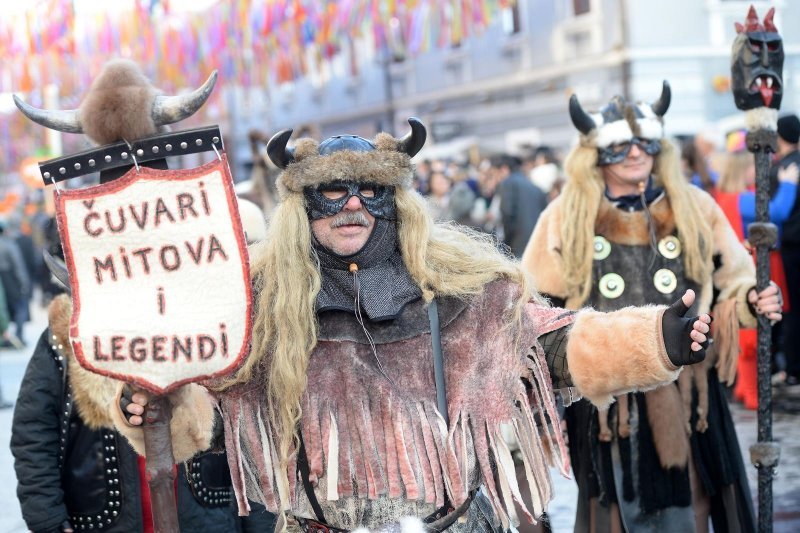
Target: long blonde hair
{"type": "Point", "coordinates": [734, 175]}
{"type": "Point", "coordinates": [582, 196]}
{"type": "Point", "coordinates": [444, 260]}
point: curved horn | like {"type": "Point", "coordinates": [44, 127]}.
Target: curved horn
{"type": "Point", "coordinates": [661, 105]}
{"type": "Point", "coordinates": [58, 269]}
{"type": "Point", "coordinates": [170, 109]}
{"type": "Point", "coordinates": [277, 151]}
{"type": "Point", "coordinates": [413, 141]}
{"type": "Point", "coordinates": [580, 118]}
{"type": "Point", "coordinates": [66, 120]}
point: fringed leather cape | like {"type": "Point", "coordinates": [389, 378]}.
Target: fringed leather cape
{"type": "Point", "coordinates": [370, 436]}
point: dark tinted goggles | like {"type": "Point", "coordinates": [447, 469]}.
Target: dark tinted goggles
{"type": "Point", "coordinates": [329, 199]}
{"type": "Point", "coordinates": [616, 153]}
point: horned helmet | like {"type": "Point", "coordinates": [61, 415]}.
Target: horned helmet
{"type": "Point", "coordinates": [369, 169]}
{"type": "Point", "coordinates": [620, 124]}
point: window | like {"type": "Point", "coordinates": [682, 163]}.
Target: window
{"type": "Point", "coordinates": [581, 7]}
{"type": "Point", "coordinates": [510, 19]}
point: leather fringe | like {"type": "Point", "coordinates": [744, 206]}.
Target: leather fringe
{"type": "Point", "coordinates": [385, 446]}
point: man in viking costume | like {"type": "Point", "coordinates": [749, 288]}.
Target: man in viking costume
{"type": "Point", "coordinates": [388, 351]}
{"type": "Point", "coordinates": [629, 230]}
{"type": "Point", "coordinates": [74, 471]}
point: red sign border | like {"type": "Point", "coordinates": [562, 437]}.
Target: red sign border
{"type": "Point", "coordinates": [130, 177]}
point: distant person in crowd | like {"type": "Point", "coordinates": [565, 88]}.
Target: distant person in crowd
{"type": "Point", "coordinates": [4, 323]}
{"type": "Point", "coordinates": [422, 171]}
{"type": "Point", "coordinates": [788, 157]}
{"type": "Point", "coordinates": [32, 258]}
{"type": "Point", "coordinates": [439, 196]}
{"type": "Point", "coordinates": [463, 194]}
{"type": "Point", "coordinates": [545, 173]}
{"type": "Point", "coordinates": [736, 197]}
{"type": "Point", "coordinates": [521, 202]}
{"type": "Point", "coordinates": [695, 166]}
{"type": "Point", "coordinates": [262, 176]}
{"type": "Point", "coordinates": [15, 280]}
{"type": "Point", "coordinates": [485, 214]}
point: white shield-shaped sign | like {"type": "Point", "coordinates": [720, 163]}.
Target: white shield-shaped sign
{"type": "Point", "coordinates": [160, 278]}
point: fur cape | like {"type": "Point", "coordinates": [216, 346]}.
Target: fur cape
{"type": "Point", "coordinates": [97, 397]}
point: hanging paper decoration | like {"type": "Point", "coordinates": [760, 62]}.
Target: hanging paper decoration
{"type": "Point", "coordinates": [250, 42]}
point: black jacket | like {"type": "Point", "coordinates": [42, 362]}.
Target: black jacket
{"type": "Point", "coordinates": [521, 203]}
{"type": "Point", "coordinates": [68, 471]}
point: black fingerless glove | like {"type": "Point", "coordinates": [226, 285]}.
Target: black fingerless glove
{"type": "Point", "coordinates": [676, 328]}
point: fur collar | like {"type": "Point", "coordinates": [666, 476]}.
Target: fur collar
{"type": "Point", "coordinates": [630, 228]}
{"type": "Point", "coordinates": [93, 394]}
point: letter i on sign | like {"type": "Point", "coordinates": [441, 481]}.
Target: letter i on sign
{"type": "Point", "coordinates": [162, 304]}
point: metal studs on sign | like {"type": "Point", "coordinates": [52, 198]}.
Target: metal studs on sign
{"type": "Point", "coordinates": [184, 146]}
{"type": "Point", "coordinates": [665, 281]}
{"type": "Point", "coordinates": [612, 285]}
{"type": "Point", "coordinates": [108, 159]}
{"type": "Point", "coordinates": [602, 248]}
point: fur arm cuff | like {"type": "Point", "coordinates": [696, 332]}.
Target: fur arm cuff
{"type": "Point", "coordinates": [192, 425]}
{"type": "Point", "coordinates": [613, 353]}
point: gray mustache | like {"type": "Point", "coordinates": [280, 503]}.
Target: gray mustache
{"type": "Point", "coordinates": [346, 219]}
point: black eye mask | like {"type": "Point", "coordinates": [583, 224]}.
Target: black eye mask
{"type": "Point", "coordinates": [616, 153]}
{"type": "Point", "coordinates": [381, 205]}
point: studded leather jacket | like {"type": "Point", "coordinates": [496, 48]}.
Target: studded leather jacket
{"type": "Point", "coordinates": [68, 471]}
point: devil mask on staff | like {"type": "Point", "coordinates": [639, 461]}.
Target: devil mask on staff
{"type": "Point", "coordinates": [757, 63]}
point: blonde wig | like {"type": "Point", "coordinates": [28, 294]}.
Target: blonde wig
{"type": "Point", "coordinates": [582, 196]}
{"type": "Point", "coordinates": [444, 260]}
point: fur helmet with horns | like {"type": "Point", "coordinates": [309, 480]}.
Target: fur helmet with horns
{"type": "Point", "coordinates": [620, 121]}
{"type": "Point", "coordinates": [121, 105]}
{"type": "Point", "coordinates": [383, 161]}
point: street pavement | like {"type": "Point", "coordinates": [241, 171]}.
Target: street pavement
{"type": "Point", "coordinates": [786, 431]}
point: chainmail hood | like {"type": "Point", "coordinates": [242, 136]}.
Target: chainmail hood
{"type": "Point", "coordinates": [384, 284]}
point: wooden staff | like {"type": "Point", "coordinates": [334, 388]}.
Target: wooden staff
{"type": "Point", "coordinates": [160, 463]}
{"type": "Point", "coordinates": [763, 235]}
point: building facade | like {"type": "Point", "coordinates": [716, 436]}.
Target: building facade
{"type": "Point", "coordinates": [509, 87]}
